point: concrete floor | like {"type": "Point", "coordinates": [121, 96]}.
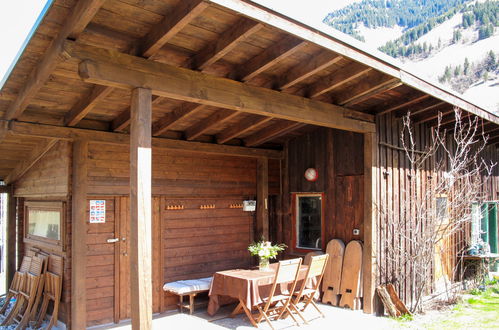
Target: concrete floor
{"type": "Point", "coordinates": [334, 318]}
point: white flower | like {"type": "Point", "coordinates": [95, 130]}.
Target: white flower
{"type": "Point", "coordinates": [261, 253]}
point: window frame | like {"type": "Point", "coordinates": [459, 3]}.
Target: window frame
{"type": "Point", "coordinates": [295, 200]}
{"type": "Point", "coordinates": [59, 206]}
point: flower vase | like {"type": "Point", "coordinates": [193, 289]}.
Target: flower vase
{"type": "Point", "coordinates": [264, 264]}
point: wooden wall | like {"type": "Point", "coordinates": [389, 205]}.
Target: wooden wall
{"type": "Point", "coordinates": [50, 176]}
{"type": "Point", "coordinates": [338, 157]}
{"type": "Point", "coordinates": [395, 179]}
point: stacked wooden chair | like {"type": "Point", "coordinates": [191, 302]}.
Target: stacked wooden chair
{"type": "Point", "coordinates": [52, 290]}
{"type": "Point", "coordinates": [17, 283]}
{"type": "Point", "coordinates": [26, 296]}
{"type": "Point", "coordinates": [39, 279]}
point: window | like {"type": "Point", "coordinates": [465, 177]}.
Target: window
{"type": "Point", "coordinates": [308, 221]}
{"type": "Point", "coordinates": [44, 223]}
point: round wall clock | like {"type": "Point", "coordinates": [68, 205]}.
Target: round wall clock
{"type": "Point", "coordinates": [311, 174]}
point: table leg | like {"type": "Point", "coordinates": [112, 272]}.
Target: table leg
{"type": "Point", "coordinates": [248, 314]}
{"type": "Point", "coordinates": [237, 310]}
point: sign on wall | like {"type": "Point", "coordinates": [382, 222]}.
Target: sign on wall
{"type": "Point", "coordinates": [97, 211]}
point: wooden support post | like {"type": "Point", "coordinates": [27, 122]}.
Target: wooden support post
{"type": "Point", "coordinates": [369, 254]}
{"type": "Point", "coordinates": [262, 197]}
{"type": "Point", "coordinates": [79, 235]}
{"type": "Point", "coordinates": [140, 209]}
{"type": "Point", "coordinates": [10, 253]}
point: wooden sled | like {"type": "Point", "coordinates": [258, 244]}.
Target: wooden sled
{"type": "Point", "coordinates": [351, 276]}
{"type": "Point", "coordinates": [332, 275]}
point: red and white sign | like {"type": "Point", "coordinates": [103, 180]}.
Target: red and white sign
{"type": "Point", "coordinates": [311, 174]}
{"type": "Point", "coordinates": [97, 211]}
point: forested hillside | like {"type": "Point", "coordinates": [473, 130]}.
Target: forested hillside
{"type": "Point", "coordinates": [388, 13]}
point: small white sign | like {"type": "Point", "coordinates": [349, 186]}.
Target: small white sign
{"type": "Point", "coordinates": [249, 206]}
{"type": "Point", "coordinates": [97, 211]}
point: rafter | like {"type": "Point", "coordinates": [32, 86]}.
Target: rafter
{"type": "Point", "coordinates": [269, 133]}
{"type": "Point", "coordinates": [81, 15]}
{"type": "Point", "coordinates": [166, 122]}
{"type": "Point", "coordinates": [171, 25]}
{"type": "Point", "coordinates": [71, 133]}
{"type": "Point", "coordinates": [304, 70]}
{"type": "Point", "coordinates": [445, 109]}
{"type": "Point", "coordinates": [372, 84]}
{"type": "Point", "coordinates": [269, 57]}
{"type": "Point", "coordinates": [127, 71]}
{"type": "Point", "coordinates": [201, 127]}
{"type": "Point", "coordinates": [392, 106]}
{"type": "Point", "coordinates": [86, 104]}
{"type": "Point", "coordinates": [426, 107]}
{"type": "Point", "coordinates": [227, 41]}
{"type": "Point", "coordinates": [337, 79]}
{"type": "Point", "coordinates": [241, 128]}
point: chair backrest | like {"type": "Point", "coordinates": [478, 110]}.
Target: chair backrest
{"type": "Point", "coordinates": [36, 266]}
{"type": "Point", "coordinates": [287, 270]}
{"type": "Point", "coordinates": [25, 264]}
{"type": "Point", "coordinates": [308, 257]}
{"type": "Point", "coordinates": [56, 264]}
{"type": "Point", "coordinates": [317, 265]}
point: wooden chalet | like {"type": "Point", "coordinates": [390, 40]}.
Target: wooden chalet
{"type": "Point", "coordinates": [161, 107]}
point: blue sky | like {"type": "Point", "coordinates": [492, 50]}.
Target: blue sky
{"type": "Point", "coordinates": [17, 18]}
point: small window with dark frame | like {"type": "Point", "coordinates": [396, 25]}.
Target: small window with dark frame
{"type": "Point", "coordinates": [308, 221]}
{"type": "Point", "coordinates": [44, 222]}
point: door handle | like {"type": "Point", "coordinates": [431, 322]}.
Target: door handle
{"type": "Point", "coordinates": [113, 240]}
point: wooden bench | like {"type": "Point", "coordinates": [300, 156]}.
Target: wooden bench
{"type": "Point", "coordinates": [188, 288]}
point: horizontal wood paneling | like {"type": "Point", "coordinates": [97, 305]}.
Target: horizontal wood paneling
{"type": "Point", "coordinates": [49, 176]}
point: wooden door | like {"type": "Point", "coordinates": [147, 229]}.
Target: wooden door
{"type": "Point", "coordinates": [122, 274]}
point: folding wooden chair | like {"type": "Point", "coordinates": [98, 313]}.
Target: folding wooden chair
{"type": "Point", "coordinates": [306, 295]}
{"type": "Point", "coordinates": [17, 282]}
{"type": "Point", "coordinates": [287, 272]}
{"type": "Point", "coordinates": [21, 311]}
{"type": "Point", "coordinates": [45, 257]}
{"type": "Point", "coordinates": [52, 291]}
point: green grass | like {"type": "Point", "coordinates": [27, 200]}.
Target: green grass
{"type": "Point", "coordinates": [480, 311]}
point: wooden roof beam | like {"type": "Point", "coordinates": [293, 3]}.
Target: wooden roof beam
{"type": "Point", "coordinates": [269, 57]}
{"type": "Point", "coordinates": [81, 15]}
{"type": "Point", "coordinates": [164, 80]}
{"type": "Point", "coordinates": [226, 42]}
{"type": "Point", "coordinates": [444, 109]}
{"type": "Point", "coordinates": [427, 106]}
{"type": "Point", "coordinates": [201, 127]}
{"type": "Point", "coordinates": [373, 83]}
{"type": "Point", "coordinates": [172, 23]}
{"type": "Point", "coordinates": [268, 133]}
{"type": "Point", "coordinates": [166, 122]}
{"type": "Point", "coordinates": [337, 79]}
{"type": "Point", "coordinates": [241, 128]}
{"type": "Point", "coordinates": [71, 133]}
{"type": "Point", "coordinates": [303, 71]}
{"type": "Point", "coordinates": [86, 104]}
{"type": "Point", "coordinates": [38, 152]}
{"type": "Point", "coordinates": [121, 122]}
{"type": "Point", "coordinates": [392, 106]}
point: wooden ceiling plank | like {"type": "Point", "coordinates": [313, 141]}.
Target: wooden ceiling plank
{"type": "Point", "coordinates": [70, 133]}
{"type": "Point", "coordinates": [128, 71]}
{"type": "Point", "coordinates": [241, 128]}
{"type": "Point", "coordinates": [357, 94]}
{"type": "Point", "coordinates": [36, 155]}
{"type": "Point", "coordinates": [201, 127]}
{"type": "Point", "coordinates": [303, 71]}
{"type": "Point", "coordinates": [337, 79]}
{"type": "Point", "coordinates": [397, 105]}
{"type": "Point", "coordinates": [269, 57]}
{"type": "Point", "coordinates": [123, 120]}
{"type": "Point", "coordinates": [86, 104]}
{"type": "Point", "coordinates": [172, 23]}
{"type": "Point", "coordinates": [81, 15]}
{"type": "Point", "coordinates": [166, 122]}
{"type": "Point", "coordinates": [427, 108]}
{"type": "Point", "coordinates": [444, 110]}
{"type": "Point", "coordinates": [268, 133]}
{"type": "Point", "coordinates": [226, 42]}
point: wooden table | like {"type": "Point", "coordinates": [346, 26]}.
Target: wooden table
{"type": "Point", "coordinates": [250, 287]}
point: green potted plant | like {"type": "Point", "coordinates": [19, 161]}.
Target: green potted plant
{"type": "Point", "coordinates": [265, 251]}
